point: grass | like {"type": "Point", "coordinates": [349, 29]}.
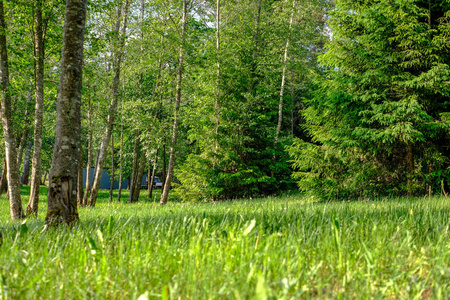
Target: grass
{"type": "Point", "coordinates": [273, 248]}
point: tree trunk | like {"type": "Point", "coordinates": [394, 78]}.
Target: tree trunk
{"type": "Point", "coordinates": [119, 192]}
{"type": "Point", "coordinates": [139, 175]}
{"type": "Point", "coordinates": [152, 178]}
{"type": "Point", "coordinates": [26, 164]}
{"type": "Point", "coordinates": [293, 102]}
{"type": "Point", "coordinates": [62, 192]}
{"type": "Point", "coordinates": [149, 175]}
{"type": "Point", "coordinates": [135, 167]}
{"type": "Point", "coordinates": [39, 111]}
{"type": "Point", "coordinates": [255, 48]}
{"type": "Point", "coordinates": [164, 171]}
{"type": "Point", "coordinates": [410, 161]}
{"type": "Point", "coordinates": [89, 158]}
{"type": "Point", "coordinates": [80, 191]}
{"type": "Point", "coordinates": [111, 186]}
{"type": "Point", "coordinates": [165, 192]}
{"type": "Point", "coordinates": [217, 105]}
{"type": "Point", "coordinates": [45, 178]}
{"type": "Point", "coordinates": [8, 127]}
{"type": "Point", "coordinates": [24, 135]}
{"type": "Point", "coordinates": [112, 107]}
{"type": "Point", "coordinates": [4, 180]}
{"type": "Point", "coordinates": [283, 82]}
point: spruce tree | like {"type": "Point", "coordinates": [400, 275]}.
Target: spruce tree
{"type": "Point", "coordinates": [378, 120]}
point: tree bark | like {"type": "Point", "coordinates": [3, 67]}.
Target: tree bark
{"type": "Point", "coordinates": [165, 192]}
{"type": "Point", "coordinates": [283, 82]}
{"type": "Point", "coordinates": [8, 127]}
{"type": "Point", "coordinates": [112, 107]}
{"type": "Point", "coordinates": [139, 175]}
{"type": "Point", "coordinates": [255, 48]}
{"type": "Point", "coordinates": [152, 178]}
{"type": "Point", "coordinates": [62, 192]}
{"type": "Point", "coordinates": [410, 161]}
{"type": "Point", "coordinates": [135, 167]}
{"type": "Point", "coordinates": [293, 102]}
{"type": "Point", "coordinates": [45, 178]}
{"type": "Point", "coordinates": [39, 111]}
{"type": "Point", "coordinates": [217, 104]}
{"type": "Point", "coordinates": [111, 186]}
{"type": "Point", "coordinates": [119, 192]}
{"type": "Point", "coordinates": [26, 164]}
{"type": "Point", "coordinates": [80, 191]}
{"type": "Point", "coordinates": [24, 136]}
{"type": "Point", "coordinates": [89, 158]}
{"type": "Point", "coordinates": [149, 175]}
{"type": "Point", "coordinates": [4, 181]}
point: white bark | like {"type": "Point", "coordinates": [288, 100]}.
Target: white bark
{"type": "Point", "coordinates": [165, 192]}
{"type": "Point", "coordinates": [39, 111]}
{"type": "Point", "coordinates": [8, 129]}
{"type": "Point", "coordinates": [283, 79]}
{"type": "Point", "coordinates": [112, 107]}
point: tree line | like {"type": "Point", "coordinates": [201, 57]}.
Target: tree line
{"type": "Point", "coordinates": [227, 99]}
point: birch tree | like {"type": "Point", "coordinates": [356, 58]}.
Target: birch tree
{"type": "Point", "coordinates": [168, 181]}
{"type": "Point", "coordinates": [62, 193]}
{"type": "Point", "coordinates": [8, 129]}
{"type": "Point", "coordinates": [121, 26]}
{"type": "Point", "coordinates": [39, 110]}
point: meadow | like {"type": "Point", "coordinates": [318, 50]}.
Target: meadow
{"type": "Point", "coordinates": [286, 247]}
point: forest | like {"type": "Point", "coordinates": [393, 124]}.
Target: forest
{"type": "Point", "coordinates": [225, 100]}
{"type": "Point", "coordinates": [252, 149]}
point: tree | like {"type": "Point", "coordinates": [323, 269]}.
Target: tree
{"type": "Point", "coordinates": [168, 182]}
{"type": "Point", "coordinates": [39, 112]}
{"type": "Point", "coordinates": [234, 115]}
{"type": "Point", "coordinates": [120, 30]}
{"type": "Point", "coordinates": [8, 130]}
{"type": "Point", "coordinates": [378, 120]}
{"type": "Point", "coordinates": [62, 193]}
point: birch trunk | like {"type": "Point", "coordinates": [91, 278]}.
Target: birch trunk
{"type": "Point", "coordinates": [112, 107]}
{"type": "Point", "coordinates": [26, 164]}
{"type": "Point", "coordinates": [165, 192]}
{"type": "Point", "coordinates": [62, 192]}
{"type": "Point", "coordinates": [152, 179]}
{"type": "Point", "coordinates": [293, 102]}
{"type": "Point", "coordinates": [139, 175]}
{"type": "Point", "coordinates": [89, 158]}
{"type": "Point", "coordinates": [255, 48]}
{"type": "Point", "coordinates": [164, 172]}
{"type": "Point", "coordinates": [283, 81]}
{"type": "Point", "coordinates": [80, 191]}
{"type": "Point", "coordinates": [134, 174]}
{"type": "Point", "coordinates": [4, 181]}
{"type": "Point", "coordinates": [111, 186]}
{"type": "Point", "coordinates": [8, 129]}
{"type": "Point", "coordinates": [24, 136]}
{"type": "Point", "coordinates": [39, 111]}
{"type": "Point", "coordinates": [217, 106]}
{"type": "Point", "coordinates": [119, 192]}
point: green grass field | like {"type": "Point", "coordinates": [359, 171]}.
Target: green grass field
{"type": "Point", "coordinates": [274, 248]}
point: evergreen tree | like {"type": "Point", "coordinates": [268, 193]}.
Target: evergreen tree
{"type": "Point", "coordinates": [378, 120]}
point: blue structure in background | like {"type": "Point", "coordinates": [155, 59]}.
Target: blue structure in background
{"type": "Point", "coordinates": [105, 180]}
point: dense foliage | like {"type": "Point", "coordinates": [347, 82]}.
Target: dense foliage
{"type": "Point", "coordinates": [258, 96]}
{"type": "Point", "coordinates": [378, 121]}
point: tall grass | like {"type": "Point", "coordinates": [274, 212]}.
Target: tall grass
{"type": "Point", "coordinates": [274, 248]}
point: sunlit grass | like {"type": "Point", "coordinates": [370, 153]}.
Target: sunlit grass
{"type": "Point", "coordinates": [279, 248]}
